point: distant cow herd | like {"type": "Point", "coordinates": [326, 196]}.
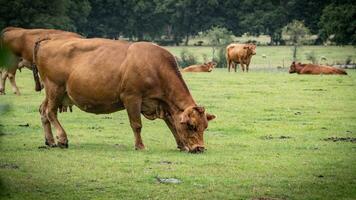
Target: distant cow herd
{"type": "Point", "coordinates": [104, 76]}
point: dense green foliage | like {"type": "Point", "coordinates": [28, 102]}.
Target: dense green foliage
{"type": "Point", "coordinates": [339, 22]}
{"type": "Point", "coordinates": [269, 141]}
{"type": "Point", "coordinates": [175, 21]}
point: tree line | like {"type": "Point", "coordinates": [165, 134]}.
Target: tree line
{"type": "Point", "coordinates": [175, 21]}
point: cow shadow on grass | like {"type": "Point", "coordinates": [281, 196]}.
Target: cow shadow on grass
{"type": "Point", "coordinates": [115, 147]}
{"type": "Point", "coordinates": [95, 147]}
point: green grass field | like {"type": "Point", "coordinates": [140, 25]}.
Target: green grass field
{"type": "Point", "coordinates": [282, 55]}
{"type": "Point", "coordinates": [268, 142]}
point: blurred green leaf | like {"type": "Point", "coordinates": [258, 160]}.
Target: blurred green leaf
{"type": "Point", "coordinates": [7, 58]}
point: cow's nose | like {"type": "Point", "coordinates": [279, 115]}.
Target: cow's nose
{"type": "Point", "coordinates": [198, 149]}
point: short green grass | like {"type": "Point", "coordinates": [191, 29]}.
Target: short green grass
{"type": "Point", "coordinates": [273, 56]}
{"type": "Point", "coordinates": [267, 142]}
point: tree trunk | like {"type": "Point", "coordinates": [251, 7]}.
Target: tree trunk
{"type": "Point", "coordinates": [213, 56]}
{"type": "Point", "coordinates": [294, 52]}
{"type": "Point", "coordinates": [186, 40]}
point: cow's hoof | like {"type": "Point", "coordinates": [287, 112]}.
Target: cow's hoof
{"type": "Point", "coordinates": [181, 148]}
{"type": "Point", "coordinates": [62, 145]}
{"type": "Point", "coordinates": [139, 147]}
{"type": "Point", "coordinates": [50, 144]}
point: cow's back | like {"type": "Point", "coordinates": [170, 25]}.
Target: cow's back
{"type": "Point", "coordinates": [236, 52]}
{"type": "Point", "coordinates": [193, 68]}
{"type": "Point", "coordinates": [82, 55]}
{"type": "Point", "coordinates": [320, 69]}
{"type": "Point", "coordinates": [98, 72]}
{"type": "Point", "coordinates": [21, 41]}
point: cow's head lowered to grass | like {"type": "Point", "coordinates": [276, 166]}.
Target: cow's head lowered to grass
{"type": "Point", "coordinates": [190, 126]}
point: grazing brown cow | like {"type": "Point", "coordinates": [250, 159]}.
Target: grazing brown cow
{"type": "Point", "coordinates": [11, 74]}
{"type": "Point", "coordinates": [104, 76]}
{"type": "Point", "coordinates": [20, 42]}
{"type": "Point", "coordinates": [239, 54]}
{"type": "Point", "coordinates": [314, 69]}
{"type": "Point", "coordinates": [206, 67]}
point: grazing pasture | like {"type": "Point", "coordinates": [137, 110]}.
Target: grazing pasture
{"type": "Point", "coordinates": [276, 136]}
{"type": "Point", "coordinates": [273, 56]}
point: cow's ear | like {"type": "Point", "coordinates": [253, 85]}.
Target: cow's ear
{"type": "Point", "coordinates": [245, 47]}
{"type": "Point", "coordinates": [210, 117]}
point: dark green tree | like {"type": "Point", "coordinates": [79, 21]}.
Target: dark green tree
{"type": "Point", "coordinates": [78, 12]}
{"type": "Point", "coordinates": [108, 18]}
{"type": "Point", "coordinates": [188, 17]}
{"type": "Point", "coordinates": [338, 24]}
{"type": "Point", "coordinates": [58, 14]}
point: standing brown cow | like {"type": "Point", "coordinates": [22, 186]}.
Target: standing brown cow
{"type": "Point", "coordinates": [20, 42]}
{"type": "Point", "coordinates": [105, 76]}
{"type": "Point", "coordinates": [239, 54]}
{"type": "Point", "coordinates": [10, 73]}
{"type": "Point", "coordinates": [314, 69]}
{"type": "Point", "coordinates": [206, 67]}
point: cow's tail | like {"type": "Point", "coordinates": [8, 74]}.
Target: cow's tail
{"type": "Point", "coordinates": [38, 86]}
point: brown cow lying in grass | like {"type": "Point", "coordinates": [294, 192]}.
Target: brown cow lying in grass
{"type": "Point", "coordinates": [20, 42]}
{"type": "Point", "coordinates": [239, 54]}
{"type": "Point", "coordinates": [11, 74]}
{"type": "Point", "coordinates": [314, 69]}
{"type": "Point", "coordinates": [206, 67]}
{"type": "Point", "coordinates": [104, 76]}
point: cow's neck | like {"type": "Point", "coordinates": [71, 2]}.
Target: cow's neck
{"type": "Point", "coordinates": [298, 68]}
{"type": "Point", "coordinates": [177, 95]}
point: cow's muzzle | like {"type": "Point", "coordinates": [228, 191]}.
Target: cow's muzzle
{"type": "Point", "coordinates": [198, 149]}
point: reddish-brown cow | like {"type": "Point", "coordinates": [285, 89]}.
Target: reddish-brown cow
{"type": "Point", "coordinates": [20, 42]}
{"type": "Point", "coordinates": [314, 69]}
{"type": "Point", "coordinates": [105, 76]}
{"type": "Point", "coordinates": [10, 73]}
{"type": "Point", "coordinates": [239, 54]}
{"type": "Point", "coordinates": [206, 67]}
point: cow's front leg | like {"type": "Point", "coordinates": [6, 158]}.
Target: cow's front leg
{"type": "Point", "coordinates": [242, 67]}
{"type": "Point", "coordinates": [15, 89]}
{"type": "Point", "coordinates": [180, 144]}
{"type": "Point", "coordinates": [133, 107]}
{"type": "Point", "coordinates": [247, 65]}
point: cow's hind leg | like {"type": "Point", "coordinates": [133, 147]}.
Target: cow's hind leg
{"type": "Point", "coordinates": [242, 67]}
{"type": "Point", "coordinates": [55, 95]}
{"type": "Point", "coordinates": [133, 107]}
{"type": "Point", "coordinates": [228, 64]}
{"type": "Point", "coordinates": [49, 140]}
{"type": "Point", "coordinates": [3, 81]}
